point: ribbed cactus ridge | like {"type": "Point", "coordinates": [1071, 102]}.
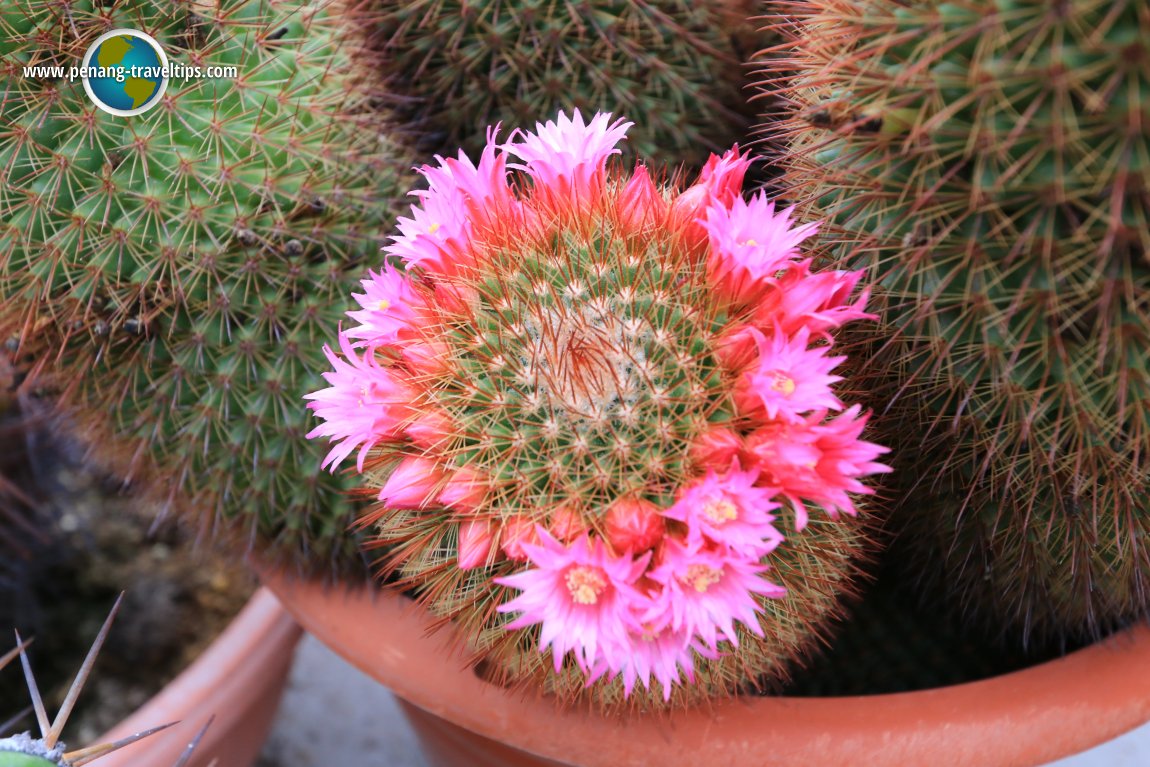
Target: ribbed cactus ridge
{"type": "Point", "coordinates": [174, 272]}
{"type": "Point", "coordinates": [991, 161]}
{"type": "Point", "coordinates": [674, 65]}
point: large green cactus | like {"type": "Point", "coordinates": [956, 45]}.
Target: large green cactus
{"type": "Point", "coordinates": [673, 66]}
{"type": "Point", "coordinates": [173, 274]}
{"type": "Point", "coordinates": [990, 161]}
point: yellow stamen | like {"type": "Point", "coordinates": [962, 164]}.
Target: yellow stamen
{"type": "Point", "coordinates": [585, 584]}
{"type": "Point", "coordinates": [782, 383]}
{"type": "Point", "coordinates": [701, 577]}
{"type": "Point", "coordinates": [433, 228]}
{"type": "Point", "coordinates": [720, 511]}
{"type": "Point", "coordinates": [383, 305]}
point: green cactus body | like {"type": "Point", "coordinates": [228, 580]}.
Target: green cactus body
{"type": "Point", "coordinates": [990, 161]}
{"type": "Point", "coordinates": [173, 273]}
{"type": "Point", "coordinates": [17, 759]}
{"type": "Point", "coordinates": [672, 65]}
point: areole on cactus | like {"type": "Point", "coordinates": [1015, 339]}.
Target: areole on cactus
{"type": "Point", "coordinates": [589, 416]}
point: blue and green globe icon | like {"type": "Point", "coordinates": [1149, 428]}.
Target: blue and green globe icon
{"type": "Point", "coordinates": [132, 68]}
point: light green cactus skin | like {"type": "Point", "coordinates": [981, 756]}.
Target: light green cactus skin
{"type": "Point", "coordinates": [177, 272]}
{"type": "Point", "coordinates": [16, 759]}
{"type": "Point", "coordinates": [990, 163]}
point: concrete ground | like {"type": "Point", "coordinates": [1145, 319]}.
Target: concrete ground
{"type": "Point", "coordinates": [333, 714]}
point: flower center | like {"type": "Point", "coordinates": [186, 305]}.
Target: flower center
{"type": "Point", "coordinates": [720, 511]}
{"type": "Point", "coordinates": [383, 305]}
{"type": "Point", "coordinates": [701, 577]}
{"type": "Point", "coordinates": [585, 584]}
{"type": "Point", "coordinates": [782, 383]}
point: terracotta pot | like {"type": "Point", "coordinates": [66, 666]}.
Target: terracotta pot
{"type": "Point", "coordinates": [1025, 718]}
{"type": "Point", "coordinates": [239, 679]}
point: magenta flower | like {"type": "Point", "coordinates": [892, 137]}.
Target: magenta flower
{"type": "Point", "coordinates": [706, 590]}
{"type": "Point", "coordinates": [817, 301]}
{"type": "Point", "coordinates": [666, 655]}
{"type": "Point", "coordinates": [566, 157]}
{"type": "Point", "coordinates": [461, 198]}
{"type": "Point", "coordinates": [720, 182]}
{"type": "Point", "coordinates": [730, 511]}
{"type": "Point", "coordinates": [750, 245]}
{"type": "Point", "coordinates": [476, 537]}
{"type": "Point", "coordinates": [582, 595]}
{"type": "Point", "coordinates": [365, 404]}
{"type": "Point", "coordinates": [463, 491]}
{"type": "Point", "coordinates": [817, 462]}
{"type": "Point", "coordinates": [641, 204]}
{"type": "Point", "coordinates": [789, 378]}
{"type": "Point", "coordinates": [389, 308]}
{"type": "Point", "coordinates": [413, 483]}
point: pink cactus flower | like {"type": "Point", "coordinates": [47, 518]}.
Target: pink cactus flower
{"type": "Point", "coordinates": [706, 590]}
{"type": "Point", "coordinates": [817, 462]}
{"type": "Point", "coordinates": [390, 308]}
{"type": "Point", "coordinates": [567, 523]}
{"type": "Point", "coordinates": [750, 245]}
{"type": "Point", "coordinates": [567, 158]}
{"type": "Point", "coordinates": [517, 533]}
{"type": "Point", "coordinates": [666, 655]}
{"type": "Point", "coordinates": [464, 490]}
{"type": "Point", "coordinates": [460, 199]}
{"type": "Point", "coordinates": [413, 484]}
{"type": "Point", "coordinates": [789, 379]}
{"type": "Point", "coordinates": [817, 301]}
{"type": "Point", "coordinates": [583, 596]}
{"type": "Point", "coordinates": [720, 182]}
{"type": "Point", "coordinates": [364, 404]}
{"type": "Point", "coordinates": [476, 539]}
{"type": "Point", "coordinates": [634, 525]}
{"type": "Point", "coordinates": [641, 204]}
{"type": "Point", "coordinates": [717, 448]}
{"type": "Point", "coordinates": [728, 510]}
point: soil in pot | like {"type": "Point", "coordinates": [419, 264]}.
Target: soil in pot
{"type": "Point", "coordinates": [90, 540]}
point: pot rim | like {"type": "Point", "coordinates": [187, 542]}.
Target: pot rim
{"type": "Point", "coordinates": [237, 680]}
{"type": "Point", "coordinates": [1023, 718]}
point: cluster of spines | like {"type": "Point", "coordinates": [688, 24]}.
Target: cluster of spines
{"type": "Point", "coordinates": [991, 162]}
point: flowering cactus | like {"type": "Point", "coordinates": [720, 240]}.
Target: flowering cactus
{"type": "Point", "coordinates": [590, 405]}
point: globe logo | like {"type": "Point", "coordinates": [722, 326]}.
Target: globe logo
{"type": "Point", "coordinates": [125, 72]}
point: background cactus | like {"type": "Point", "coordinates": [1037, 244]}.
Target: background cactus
{"type": "Point", "coordinates": [673, 65]}
{"type": "Point", "coordinates": [171, 274]}
{"type": "Point", "coordinates": [591, 378]}
{"type": "Point", "coordinates": [991, 162]}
